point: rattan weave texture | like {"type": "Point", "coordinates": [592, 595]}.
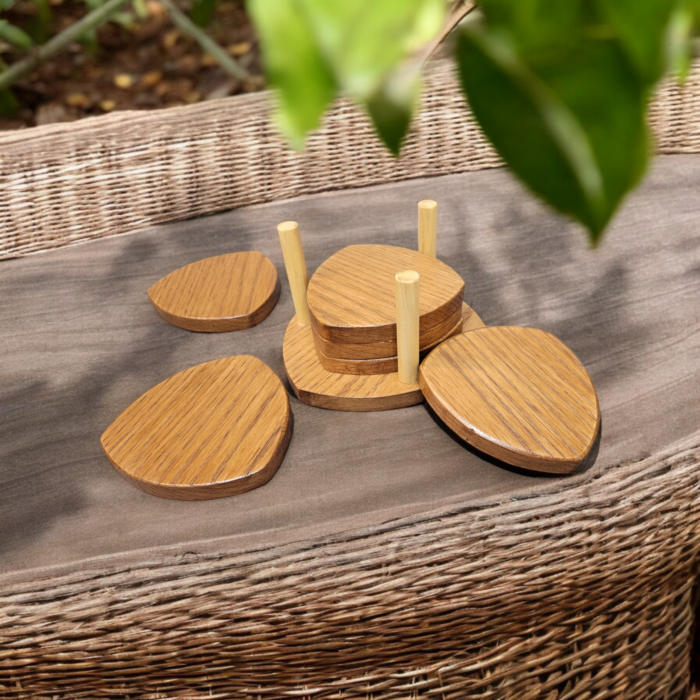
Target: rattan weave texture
{"type": "Point", "coordinates": [67, 183]}
{"type": "Point", "coordinates": [581, 593]}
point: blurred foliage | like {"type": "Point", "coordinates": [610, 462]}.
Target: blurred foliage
{"type": "Point", "coordinates": [314, 49]}
{"type": "Point", "coordinates": [34, 44]}
{"type": "Point", "coordinates": [561, 88]}
{"type": "Point", "coordinates": [37, 34]}
{"type": "Point", "coordinates": [41, 25]}
{"type": "Point", "coordinates": [14, 35]}
{"type": "Point", "coordinates": [202, 12]}
{"type": "Point", "coordinates": [8, 102]}
{"type": "Point", "coordinates": [123, 18]}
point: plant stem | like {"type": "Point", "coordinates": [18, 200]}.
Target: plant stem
{"type": "Point", "coordinates": [185, 24]}
{"type": "Point", "coordinates": [44, 17]}
{"type": "Point", "coordinates": [59, 42]}
{"type": "Point", "coordinates": [460, 9]}
{"type": "Point", "coordinates": [98, 17]}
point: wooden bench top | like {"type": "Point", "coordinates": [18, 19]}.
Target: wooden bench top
{"type": "Point", "coordinates": [80, 341]}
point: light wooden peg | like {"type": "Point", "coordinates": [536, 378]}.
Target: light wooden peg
{"type": "Point", "coordinates": [427, 227]}
{"type": "Point", "coordinates": [407, 325]}
{"type": "Point", "coordinates": [295, 265]}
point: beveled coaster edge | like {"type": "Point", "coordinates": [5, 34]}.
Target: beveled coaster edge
{"type": "Point", "coordinates": [511, 456]}
{"type": "Point", "coordinates": [207, 492]}
{"type": "Point", "coordinates": [220, 324]}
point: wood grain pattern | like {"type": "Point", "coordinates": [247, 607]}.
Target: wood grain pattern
{"type": "Point", "coordinates": [518, 394]}
{"type": "Point", "coordinates": [381, 350]}
{"type": "Point", "coordinates": [352, 299]}
{"type": "Point", "coordinates": [224, 293]}
{"type": "Point", "coordinates": [385, 365]}
{"type": "Point", "coordinates": [318, 387]}
{"type": "Point", "coordinates": [217, 429]}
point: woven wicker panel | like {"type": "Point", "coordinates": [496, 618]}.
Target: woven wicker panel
{"type": "Point", "coordinates": [112, 174]}
{"type": "Point", "coordinates": [108, 175]}
{"type": "Point", "coordinates": [514, 601]}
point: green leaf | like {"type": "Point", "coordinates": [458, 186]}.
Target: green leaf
{"type": "Point", "coordinates": [123, 19]}
{"type": "Point", "coordinates": [641, 27]}
{"type": "Point", "coordinates": [41, 23]}
{"type": "Point", "coordinates": [368, 45]}
{"type": "Point", "coordinates": [294, 65]}
{"type": "Point", "coordinates": [14, 35]}
{"type": "Point", "coordinates": [536, 25]}
{"type": "Point", "coordinates": [570, 122]}
{"type": "Point", "coordinates": [593, 78]}
{"type": "Point", "coordinates": [391, 107]}
{"type": "Point", "coordinates": [203, 11]}
{"type": "Point", "coordinates": [530, 128]}
{"type": "Point", "coordinates": [9, 107]}
{"type": "Point", "coordinates": [364, 40]}
{"type": "Point", "coordinates": [315, 48]}
{"type": "Point", "coordinates": [678, 40]}
{"type": "Point", "coordinates": [140, 9]}
{"type": "Point", "coordinates": [88, 40]}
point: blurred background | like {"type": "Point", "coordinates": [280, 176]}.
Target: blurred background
{"type": "Point", "coordinates": [138, 59]}
{"type": "Point", "coordinates": [560, 89]}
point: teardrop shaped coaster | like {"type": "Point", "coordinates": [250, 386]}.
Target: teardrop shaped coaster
{"type": "Point", "coordinates": [352, 297]}
{"type": "Point", "coordinates": [217, 429]}
{"type": "Point", "coordinates": [224, 293]}
{"type": "Point", "coordinates": [517, 394]}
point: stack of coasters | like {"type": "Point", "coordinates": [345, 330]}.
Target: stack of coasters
{"type": "Point", "coordinates": [369, 314]}
{"type": "Point", "coordinates": [352, 304]}
{"type": "Point", "coordinates": [340, 349]}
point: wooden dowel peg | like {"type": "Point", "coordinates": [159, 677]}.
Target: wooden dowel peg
{"type": "Point", "coordinates": [427, 227]}
{"type": "Point", "coordinates": [295, 265]}
{"type": "Point", "coordinates": [407, 325]}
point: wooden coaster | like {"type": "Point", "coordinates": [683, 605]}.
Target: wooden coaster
{"type": "Point", "coordinates": [518, 394]}
{"type": "Point", "coordinates": [386, 365]}
{"type": "Point", "coordinates": [352, 297]}
{"type": "Point", "coordinates": [214, 430]}
{"type": "Point", "coordinates": [224, 293]}
{"type": "Point", "coordinates": [373, 351]}
{"type": "Point", "coordinates": [316, 386]}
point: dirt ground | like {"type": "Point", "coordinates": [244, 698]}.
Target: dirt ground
{"type": "Point", "coordinates": [141, 63]}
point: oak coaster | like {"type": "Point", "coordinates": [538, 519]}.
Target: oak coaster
{"type": "Point", "coordinates": [382, 350]}
{"type": "Point", "coordinates": [384, 365]}
{"type": "Point", "coordinates": [517, 394]}
{"type": "Point", "coordinates": [217, 429]}
{"type": "Point", "coordinates": [352, 296]}
{"type": "Point", "coordinates": [228, 292]}
{"type": "Point", "coordinates": [318, 387]}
